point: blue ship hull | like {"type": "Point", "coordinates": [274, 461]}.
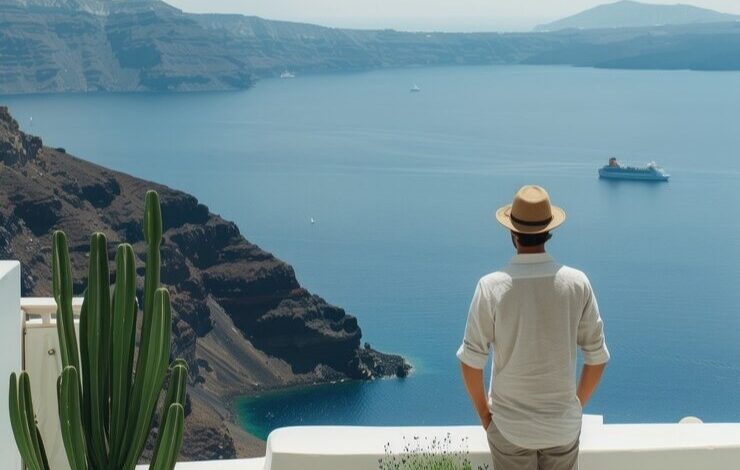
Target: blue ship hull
{"type": "Point", "coordinates": [636, 174]}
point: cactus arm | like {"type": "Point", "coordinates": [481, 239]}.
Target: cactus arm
{"type": "Point", "coordinates": [22, 437]}
{"type": "Point", "coordinates": [157, 340]}
{"type": "Point", "coordinates": [166, 456]}
{"type": "Point", "coordinates": [179, 382]}
{"type": "Point", "coordinates": [153, 237]}
{"type": "Point", "coordinates": [70, 418]}
{"type": "Point", "coordinates": [26, 404]}
{"type": "Point", "coordinates": [27, 422]}
{"type": "Point", "coordinates": [84, 376]}
{"type": "Point", "coordinates": [122, 344]}
{"type": "Point", "coordinates": [175, 394]}
{"type": "Point", "coordinates": [62, 288]}
{"type": "Point", "coordinates": [98, 347]}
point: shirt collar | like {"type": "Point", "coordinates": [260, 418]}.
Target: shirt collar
{"type": "Point", "coordinates": [531, 258]}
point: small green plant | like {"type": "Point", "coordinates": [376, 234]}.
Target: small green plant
{"type": "Point", "coordinates": [428, 454]}
{"type": "Point", "coordinates": [106, 399]}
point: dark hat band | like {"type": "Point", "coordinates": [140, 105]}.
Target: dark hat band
{"type": "Point", "coordinates": [530, 224]}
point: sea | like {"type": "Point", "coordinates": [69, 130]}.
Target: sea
{"type": "Point", "coordinates": [402, 188]}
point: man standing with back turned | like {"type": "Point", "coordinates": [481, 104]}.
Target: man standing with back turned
{"type": "Point", "coordinates": [533, 313]}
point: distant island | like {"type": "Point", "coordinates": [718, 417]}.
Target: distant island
{"type": "Point", "coordinates": [631, 14]}
{"type": "Point", "coordinates": [54, 46]}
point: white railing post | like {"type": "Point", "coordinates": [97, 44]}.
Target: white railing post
{"type": "Point", "coordinates": [11, 347]}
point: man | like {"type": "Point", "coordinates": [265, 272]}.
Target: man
{"type": "Point", "coordinates": [534, 313]}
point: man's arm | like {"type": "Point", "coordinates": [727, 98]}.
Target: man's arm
{"type": "Point", "coordinates": [590, 377]}
{"type": "Point", "coordinates": [473, 352]}
{"type": "Point", "coordinates": [592, 343]}
{"type": "Point", "coordinates": [473, 379]}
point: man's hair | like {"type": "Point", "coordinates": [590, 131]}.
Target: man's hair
{"type": "Point", "coordinates": [526, 239]}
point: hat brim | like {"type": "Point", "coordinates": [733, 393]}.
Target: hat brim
{"type": "Point", "coordinates": [503, 215]}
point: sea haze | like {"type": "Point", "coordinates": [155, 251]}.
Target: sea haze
{"type": "Point", "coordinates": [402, 187]}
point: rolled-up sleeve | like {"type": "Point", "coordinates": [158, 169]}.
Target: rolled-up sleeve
{"type": "Point", "coordinates": [479, 331]}
{"type": "Point", "coordinates": [591, 331]}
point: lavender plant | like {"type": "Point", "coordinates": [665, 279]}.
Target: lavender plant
{"type": "Point", "coordinates": [424, 453]}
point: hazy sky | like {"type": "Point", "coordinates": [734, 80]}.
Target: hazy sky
{"type": "Point", "coordinates": [447, 15]}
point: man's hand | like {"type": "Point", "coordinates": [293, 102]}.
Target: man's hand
{"type": "Point", "coordinates": [473, 379]}
{"type": "Point", "coordinates": [590, 377]}
{"type": "Point", "coordinates": [486, 421]}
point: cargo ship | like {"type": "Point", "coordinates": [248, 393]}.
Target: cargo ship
{"type": "Point", "coordinates": [651, 172]}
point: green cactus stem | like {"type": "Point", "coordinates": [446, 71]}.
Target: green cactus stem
{"type": "Point", "coordinates": [70, 418]}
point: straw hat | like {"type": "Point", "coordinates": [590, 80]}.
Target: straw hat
{"type": "Point", "coordinates": [530, 212]}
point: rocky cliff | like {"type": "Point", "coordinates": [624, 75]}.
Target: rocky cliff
{"type": "Point", "coordinates": [147, 45]}
{"type": "Point", "coordinates": [241, 319]}
{"type": "Point", "coordinates": [109, 45]}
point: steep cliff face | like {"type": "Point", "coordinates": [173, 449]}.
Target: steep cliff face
{"type": "Point", "coordinates": [15, 146]}
{"type": "Point", "coordinates": [147, 45]}
{"type": "Point", "coordinates": [96, 45]}
{"type": "Point", "coordinates": [241, 319]}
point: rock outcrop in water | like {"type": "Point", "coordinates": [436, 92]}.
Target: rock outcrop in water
{"type": "Point", "coordinates": [241, 320]}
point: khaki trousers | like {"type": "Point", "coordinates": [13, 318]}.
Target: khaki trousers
{"type": "Point", "coordinates": [507, 456]}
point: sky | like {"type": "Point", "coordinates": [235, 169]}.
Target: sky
{"type": "Point", "coordinates": [439, 15]}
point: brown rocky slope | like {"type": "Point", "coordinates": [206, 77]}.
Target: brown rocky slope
{"type": "Point", "coordinates": [242, 321]}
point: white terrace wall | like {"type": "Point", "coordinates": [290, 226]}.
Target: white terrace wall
{"type": "Point", "coordinates": [11, 326]}
{"type": "Point", "coordinates": [603, 446]}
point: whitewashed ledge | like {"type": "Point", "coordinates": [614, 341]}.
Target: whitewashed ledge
{"type": "Point", "coordinates": [685, 446]}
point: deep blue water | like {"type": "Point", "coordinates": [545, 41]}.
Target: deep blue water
{"type": "Point", "coordinates": [403, 186]}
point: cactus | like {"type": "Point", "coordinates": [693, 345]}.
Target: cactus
{"type": "Point", "coordinates": [106, 398]}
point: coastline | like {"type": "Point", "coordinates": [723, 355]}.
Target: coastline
{"type": "Point", "coordinates": [230, 298]}
{"type": "Point", "coordinates": [233, 51]}
{"type": "Point", "coordinates": [237, 403]}
{"type": "Point", "coordinates": [298, 389]}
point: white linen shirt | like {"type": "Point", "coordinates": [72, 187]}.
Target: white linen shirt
{"type": "Point", "coordinates": [534, 313]}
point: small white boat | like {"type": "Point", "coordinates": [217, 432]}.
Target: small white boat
{"type": "Point", "coordinates": [313, 221]}
{"type": "Point", "coordinates": [415, 89]}
{"type": "Point", "coordinates": [287, 74]}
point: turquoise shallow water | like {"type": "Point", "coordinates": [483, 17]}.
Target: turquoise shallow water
{"type": "Point", "coordinates": [403, 186]}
